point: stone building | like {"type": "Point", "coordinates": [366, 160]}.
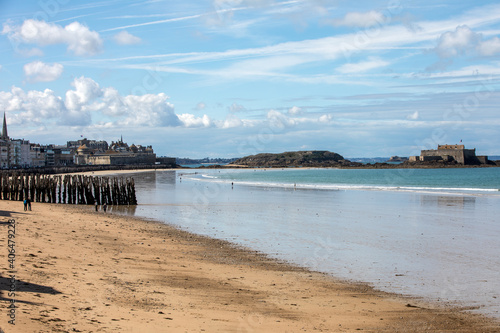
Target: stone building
{"type": "Point", "coordinates": [450, 153]}
{"type": "Point", "coordinates": [118, 153]}
{"type": "Point", "coordinates": [101, 145]}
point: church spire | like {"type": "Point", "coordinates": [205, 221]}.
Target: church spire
{"type": "Point", "coordinates": [5, 135]}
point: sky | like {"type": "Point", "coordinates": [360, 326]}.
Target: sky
{"type": "Point", "coordinates": [230, 78]}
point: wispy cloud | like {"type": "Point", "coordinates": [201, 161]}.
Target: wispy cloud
{"type": "Point", "coordinates": [363, 66]}
{"type": "Point", "coordinates": [170, 20]}
{"type": "Point", "coordinates": [361, 19]}
{"type": "Point", "coordinates": [280, 58]}
{"type": "Point", "coordinates": [126, 38]}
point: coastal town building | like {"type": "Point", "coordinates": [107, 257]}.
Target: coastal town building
{"type": "Point", "coordinates": [118, 153]}
{"type": "Point", "coordinates": [450, 153]}
{"type": "Point", "coordinates": [37, 156]}
{"type": "Point", "coordinates": [101, 145]}
{"type": "Point", "coordinates": [20, 153]}
{"type": "Point", "coordinates": [14, 153]}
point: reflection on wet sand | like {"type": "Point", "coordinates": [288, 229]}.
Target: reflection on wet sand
{"type": "Point", "coordinates": [126, 210]}
{"type": "Point", "coordinates": [153, 179]}
{"type": "Point", "coordinates": [147, 182]}
{"type": "Point", "coordinates": [445, 200]}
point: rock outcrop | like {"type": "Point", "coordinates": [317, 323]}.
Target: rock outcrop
{"type": "Point", "coordinates": [315, 158]}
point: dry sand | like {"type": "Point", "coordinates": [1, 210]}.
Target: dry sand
{"type": "Point", "coordinates": [84, 271]}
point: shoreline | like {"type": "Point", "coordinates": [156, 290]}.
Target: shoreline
{"type": "Point", "coordinates": [86, 270]}
{"type": "Point", "coordinates": [376, 166]}
{"type": "Point", "coordinates": [113, 172]}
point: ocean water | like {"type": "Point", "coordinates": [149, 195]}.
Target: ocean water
{"type": "Point", "coordinates": [430, 233]}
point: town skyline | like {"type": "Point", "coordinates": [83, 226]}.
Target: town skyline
{"type": "Point", "coordinates": [231, 78]}
{"type": "Point", "coordinates": [21, 153]}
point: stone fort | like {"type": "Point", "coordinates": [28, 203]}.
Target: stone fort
{"type": "Point", "coordinates": [450, 153]}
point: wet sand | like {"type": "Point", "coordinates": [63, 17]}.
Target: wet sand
{"type": "Point", "coordinates": [115, 172]}
{"type": "Point", "coordinates": [84, 271]}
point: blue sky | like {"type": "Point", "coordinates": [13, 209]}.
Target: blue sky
{"type": "Point", "coordinates": [228, 78]}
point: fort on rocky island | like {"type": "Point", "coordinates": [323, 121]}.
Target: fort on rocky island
{"type": "Point", "coordinates": [450, 153]}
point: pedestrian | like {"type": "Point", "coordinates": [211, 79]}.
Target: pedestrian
{"type": "Point", "coordinates": [104, 207]}
{"type": "Point", "coordinates": [28, 201]}
{"type": "Point", "coordinates": [25, 205]}
{"type": "Point", "coordinates": [96, 207]}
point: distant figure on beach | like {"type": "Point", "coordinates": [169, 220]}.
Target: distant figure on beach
{"type": "Point", "coordinates": [104, 207]}
{"type": "Point", "coordinates": [25, 205]}
{"type": "Point", "coordinates": [96, 207]}
{"type": "Point", "coordinates": [232, 184]}
{"type": "Point", "coordinates": [28, 201]}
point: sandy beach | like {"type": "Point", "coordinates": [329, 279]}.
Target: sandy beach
{"type": "Point", "coordinates": [77, 270]}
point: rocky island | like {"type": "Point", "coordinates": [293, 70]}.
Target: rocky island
{"type": "Point", "coordinates": [314, 158]}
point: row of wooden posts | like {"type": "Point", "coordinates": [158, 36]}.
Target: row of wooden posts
{"type": "Point", "coordinates": [68, 189]}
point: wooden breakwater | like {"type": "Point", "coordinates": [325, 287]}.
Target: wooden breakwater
{"type": "Point", "coordinates": [68, 189]}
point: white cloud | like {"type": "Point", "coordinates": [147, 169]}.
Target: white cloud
{"type": "Point", "coordinates": [294, 110]}
{"type": "Point", "coordinates": [88, 98]}
{"type": "Point", "coordinates": [86, 90]}
{"type": "Point", "coordinates": [78, 38]}
{"type": "Point", "coordinates": [112, 103]}
{"type": "Point", "coordinates": [150, 110]}
{"type": "Point", "coordinates": [78, 101]}
{"type": "Point", "coordinates": [279, 120]}
{"type": "Point", "coordinates": [236, 107]}
{"type": "Point", "coordinates": [326, 118]}
{"type": "Point", "coordinates": [200, 106]}
{"type": "Point", "coordinates": [458, 42]}
{"type": "Point", "coordinates": [38, 71]}
{"type": "Point", "coordinates": [464, 41]}
{"type": "Point", "coordinates": [231, 121]}
{"type": "Point", "coordinates": [414, 116]}
{"type": "Point", "coordinates": [363, 66]}
{"type": "Point", "coordinates": [35, 106]}
{"type": "Point", "coordinates": [361, 19]}
{"type": "Point", "coordinates": [190, 120]}
{"type": "Point", "coordinates": [125, 38]}
{"type": "Point", "coordinates": [489, 47]}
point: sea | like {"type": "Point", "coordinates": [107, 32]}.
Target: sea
{"type": "Point", "coordinates": [433, 234]}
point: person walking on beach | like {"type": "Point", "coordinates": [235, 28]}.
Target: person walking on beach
{"type": "Point", "coordinates": [104, 207]}
{"type": "Point", "coordinates": [25, 205]}
{"type": "Point", "coordinates": [28, 201]}
{"type": "Point", "coordinates": [96, 207]}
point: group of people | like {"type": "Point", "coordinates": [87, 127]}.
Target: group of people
{"type": "Point", "coordinates": [27, 204]}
